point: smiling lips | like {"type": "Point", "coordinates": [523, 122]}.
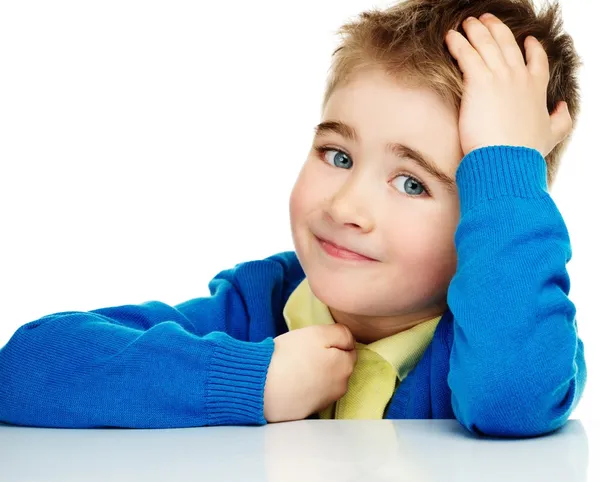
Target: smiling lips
{"type": "Point", "coordinates": [338, 251]}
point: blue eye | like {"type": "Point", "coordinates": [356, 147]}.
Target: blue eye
{"type": "Point", "coordinates": [338, 159]}
{"type": "Point", "coordinates": [411, 185]}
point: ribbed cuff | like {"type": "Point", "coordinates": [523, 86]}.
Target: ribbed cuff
{"type": "Point", "coordinates": [495, 171]}
{"type": "Point", "coordinates": [236, 381]}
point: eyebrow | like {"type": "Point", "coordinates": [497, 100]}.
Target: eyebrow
{"type": "Point", "coordinates": [400, 150]}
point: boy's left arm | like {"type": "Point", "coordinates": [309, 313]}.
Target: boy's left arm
{"type": "Point", "coordinates": [517, 365]}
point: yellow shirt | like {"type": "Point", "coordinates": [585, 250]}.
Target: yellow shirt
{"type": "Point", "coordinates": [380, 365]}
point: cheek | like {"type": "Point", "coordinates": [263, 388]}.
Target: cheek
{"type": "Point", "coordinates": [305, 196]}
{"type": "Point", "coordinates": [297, 200]}
{"type": "Point", "coordinates": [424, 243]}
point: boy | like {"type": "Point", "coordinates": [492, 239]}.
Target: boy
{"type": "Point", "coordinates": [428, 278]}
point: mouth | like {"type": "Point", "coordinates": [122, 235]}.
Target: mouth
{"type": "Point", "coordinates": [336, 251]}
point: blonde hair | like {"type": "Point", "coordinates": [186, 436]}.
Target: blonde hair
{"type": "Point", "coordinates": [406, 40]}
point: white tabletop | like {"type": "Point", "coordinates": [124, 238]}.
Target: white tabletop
{"type": "Point", "coordinates": [308, 451]}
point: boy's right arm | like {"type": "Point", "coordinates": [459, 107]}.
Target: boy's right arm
{"type": "Point", "coordinates": [142, 366]}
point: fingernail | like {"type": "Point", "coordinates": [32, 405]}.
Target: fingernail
{"type": "Point", "coordinates": [470, 19]}
{"type": "Point", "coordinates": [486, 16]}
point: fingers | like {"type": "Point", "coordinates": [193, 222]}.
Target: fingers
{"type": "Point", "coordinates": [537, 60]}
{"type": "Point", "coordinates": [469, 61]}
{"type": "Point", "coordinates": [491, 40]}
{"type": "Point", "coordinates": [345, 361]}
{"type": "Point", "coordinates": [353, 356]}
{"type": "Point", "coordinates": [338, 336]}
{"type": "Point", "coordinates": [505, 40]}
{"type": "Point", "coordinates": [484, 43]}
{"type": "Point", "coordinates": [561, 122]}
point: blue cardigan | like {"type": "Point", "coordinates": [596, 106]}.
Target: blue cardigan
{"type": "Point", "coordinates": [505, 359]}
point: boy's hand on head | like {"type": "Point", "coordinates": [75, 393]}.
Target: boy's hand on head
{"type": "Point", "coordinates": [309, 370]}
{"type": "Point", "coordinates": [504, 98]}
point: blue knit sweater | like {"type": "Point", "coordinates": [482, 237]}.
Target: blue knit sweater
{"type": "Point", "coordinates": [505, 358]}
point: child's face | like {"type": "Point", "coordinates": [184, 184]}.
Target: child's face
{"type": "Point", "coordinates": [364, 199]}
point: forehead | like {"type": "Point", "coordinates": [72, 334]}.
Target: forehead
{"type": "Point", "coordinates": [382, 109]}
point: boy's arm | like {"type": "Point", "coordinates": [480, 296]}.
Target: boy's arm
{"type": "Point", "coordinates": [517, 366]}
{"type": "Point", "coordinates": [149, 365]}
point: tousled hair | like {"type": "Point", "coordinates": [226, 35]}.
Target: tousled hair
{"type": "Point", "coordinates": [406, 40]}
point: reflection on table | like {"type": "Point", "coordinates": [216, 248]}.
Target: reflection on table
{"type": "Point", "coordinates": [308, 450]}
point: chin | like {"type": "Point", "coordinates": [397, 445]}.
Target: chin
{"type": "Point", "coordinates": [340, 295]}
{"type": "Point", "coordinates": [337, 285]}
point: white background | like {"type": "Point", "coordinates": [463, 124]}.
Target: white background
{"type": "Point", "coordinates": [147, 145]}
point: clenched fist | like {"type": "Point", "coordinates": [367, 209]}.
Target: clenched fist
{"type": "Point", "coordinates": [309, 370]}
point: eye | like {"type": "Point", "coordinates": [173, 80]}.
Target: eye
{"type": "Point", "coordinates": [409, 185]}
{"type": "Point", "coordinates": [335, 157]}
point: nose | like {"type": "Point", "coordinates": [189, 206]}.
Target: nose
{"type": "Point", "coordinates": [350, 206]}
